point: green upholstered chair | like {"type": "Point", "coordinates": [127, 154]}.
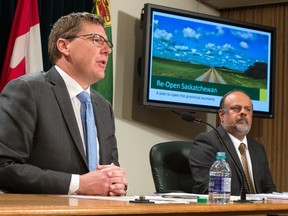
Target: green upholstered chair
{"type": "Point", "coordinates": [170, 167]}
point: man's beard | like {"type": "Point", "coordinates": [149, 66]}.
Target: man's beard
{"type": "Point", "coordinates": [239, 128]}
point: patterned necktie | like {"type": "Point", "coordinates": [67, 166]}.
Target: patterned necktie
{"type": "Point", "coordinates": [89, 129]}
{"type": "Point", "coordinates": [242, 149]}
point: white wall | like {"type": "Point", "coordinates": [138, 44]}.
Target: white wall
{"type": "Point", "coordinates": [138, 129]}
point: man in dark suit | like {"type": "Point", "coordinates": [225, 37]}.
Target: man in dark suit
{"type": "Point", "coordinates": [42, 146]}
{"type": "Point", "coordinates": [235, 115]}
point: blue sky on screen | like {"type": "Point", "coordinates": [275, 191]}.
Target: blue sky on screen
{"type": "Point", "coordinates": [208, 43]}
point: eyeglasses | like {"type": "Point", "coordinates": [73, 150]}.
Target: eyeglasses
{"type": "Point", "coordinates": [97, 40]}
{"type": "Point", "coordinates": [237, 109]}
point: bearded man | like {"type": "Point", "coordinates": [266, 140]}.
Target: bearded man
{"type": "Point", "coordinates": [235, 114]}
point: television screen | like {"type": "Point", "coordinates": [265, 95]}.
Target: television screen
{"type": "Point", "coordinates": [190, 60]}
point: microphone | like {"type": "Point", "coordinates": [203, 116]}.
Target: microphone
{"type": "Point", "coordinates": [190, 118]}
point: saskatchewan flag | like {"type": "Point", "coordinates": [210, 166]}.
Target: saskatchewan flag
{"type": "Point", "coordinates": [105, 86]}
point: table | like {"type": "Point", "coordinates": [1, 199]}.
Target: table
{"type": "Point", "coordinates": [28, 204]}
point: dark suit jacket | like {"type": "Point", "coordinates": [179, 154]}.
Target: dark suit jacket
{"type": "Point", "coordinates": [40, 143]}
{"type": "Point", "coordinates": [203, 154]}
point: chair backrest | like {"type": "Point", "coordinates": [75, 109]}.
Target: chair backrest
{"type": "Point", "coordinates": [169, 163]}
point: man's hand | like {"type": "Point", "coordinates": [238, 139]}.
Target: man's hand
{"type": "Point", "coordinates": [106, 180]}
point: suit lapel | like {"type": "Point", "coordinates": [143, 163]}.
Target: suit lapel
{"type": "Point", "coordinates": [231, 150]}
{"type": "Point", "coordinates": [254, 159]}
{"type": "Point", "coordinates": [63, 99]}
{"type": "Point", "coordinates": [229, 144]}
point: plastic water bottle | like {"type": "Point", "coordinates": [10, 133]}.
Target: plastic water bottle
{"type": "Point", "coordinates": [220, 180]}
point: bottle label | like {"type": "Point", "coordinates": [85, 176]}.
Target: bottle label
{"type": "Point", "coordinates": [219, 184]}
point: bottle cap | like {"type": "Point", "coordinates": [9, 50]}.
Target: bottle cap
{"type": "Point", "coordinates": [221, 155]}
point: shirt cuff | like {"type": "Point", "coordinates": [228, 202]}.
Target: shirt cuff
{"type": "Point", "coordinates": [74, 184]}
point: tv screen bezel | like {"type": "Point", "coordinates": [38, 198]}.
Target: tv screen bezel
{"type": "Point", "coordinates": [146, 17]}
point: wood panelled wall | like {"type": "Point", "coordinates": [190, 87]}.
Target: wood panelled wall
{"type": "Point", "coordinates": [273, 133]}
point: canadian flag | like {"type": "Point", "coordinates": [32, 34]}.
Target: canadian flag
{"type": "Point", "coordinates": [24, 53]}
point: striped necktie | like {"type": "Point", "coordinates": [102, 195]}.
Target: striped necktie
{"type": "Point", "coordinates": [242, 149]}
{"type": "Point", "coordinates": [89, 129]}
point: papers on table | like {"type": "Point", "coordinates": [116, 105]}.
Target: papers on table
{"type": "Point", "coordinates": [261, 197]}
{"type": "Point", "coordinates": [276, 195]}
{"type": "Point", "coordinates": [179, 195]}
{"type": "Point", "coordinates": [184, 198]}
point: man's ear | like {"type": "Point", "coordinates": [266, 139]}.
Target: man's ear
{"type": "Point", "coordinates": [221, 113]}
{"type": "Point", "coordinates": [63, 46]}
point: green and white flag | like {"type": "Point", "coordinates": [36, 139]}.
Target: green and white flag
{"type": "Point", "coordinates": [105, 86]}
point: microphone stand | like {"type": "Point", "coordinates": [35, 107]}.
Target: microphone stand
{"type": "Point", "coordinates": [188, 117]}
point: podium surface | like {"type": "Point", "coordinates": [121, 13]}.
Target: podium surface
{"type": "Point", "coordinates": [28, 204]}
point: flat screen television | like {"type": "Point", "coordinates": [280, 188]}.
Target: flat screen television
{"type": "Point", "coordinates": [190, 60]}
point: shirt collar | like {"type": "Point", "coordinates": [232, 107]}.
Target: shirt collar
{"type": "Point", "coordinates": [237, 142]}
{"type": "Point", "coordinates": [72, 85]}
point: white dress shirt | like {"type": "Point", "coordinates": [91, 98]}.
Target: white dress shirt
{"type": "Point", "coordinates": [237, 143]}
{"type": "Point", "coordinates": [74, 89]}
